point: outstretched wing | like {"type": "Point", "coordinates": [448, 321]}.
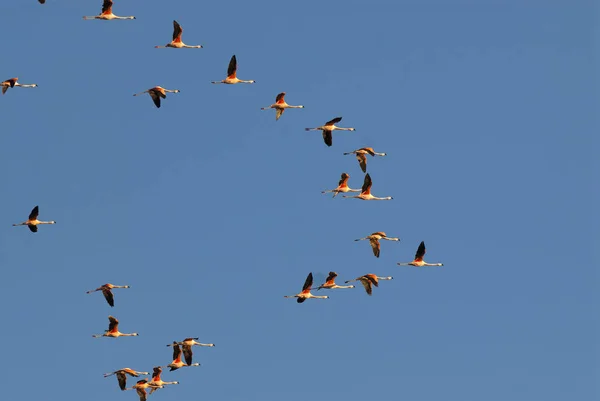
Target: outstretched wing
{"type": "Point", "coordinates": [367, 284]}
{"type": "Point", "coordinates": [176, 350]}
{"type": "Point", "coordinates": [344, 181]}
{"type": "Point", "coordinates": [420, 252]}
{"type": "Point", "coordinates": [279, 113]}
{"type": "Point", "coordinates": [366, 188]}
{"type": "Point", "coordinates": [308, 283]}
{"type": "Point", "coordinates": [34, 213]}
{"type": "Point", "coordinates": [376, 246]}
{"type": "Point", "coordinates": [327, 137]}
{"type": "Point", "coordinates": [107, 7]}
{"type": "Point", "coordinates": [177, 30]}
{"type": "Point", "coordinates": [156, 371]}
{"type": "Point", "coordinates": [108, 295]}
{"type": "Point", "coordinates": [142, 393]}
{"type": "Point", "coordinates": [155, 98]}
{"type": "Point", "coordinates": [332, 276]}
{"type": "Point", "coordinates": [362, 161]}
{"type": "Point", "coordinates": [32, 228]}
{"type": "Point", "coordinates": [187, 353]}
{"type": "Point", "coordinates": [122, 378]}
{"type": "Point", "coordinates": [369, 151]}
{"type": "Point", "coordinates": [113, 323]}
{"type": "Point", "coordinates": [280, 98]}
{"type": "Point", "coordinates": [334, 121]}
{"type": "Point", "coordinates": [232, 67]}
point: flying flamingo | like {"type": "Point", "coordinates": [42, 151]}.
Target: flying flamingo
{"type": "Point", "coordinates": [176, 42]}
{"type": "Point", "coordinates": [366, 191]}
{"type": "Point", "coordinates": [330, 283]}
{"type": "Point", "coordinates": [231, 74]}
{"type": "Point", "coordinates": [305, 294]}
{"type": "Point", "coordinates": [342, 186]}
{"type": "Point", "coordinates": [156, 381]}
{"type": "Point", "coordinates": [113, 330]}
{"type": "Point", "coordinates": [140, 387]}
{"type": "Point", "coordinates": [12, 83]}
{"type": "Point", "coordinates": [187, 345]}
{"type": "Point", "coordinates": [419, 262]}
{"type": "Point", "coordinates": [122, 376]}
{"type": "Point", "coordinates": [370, 280]}
{"type": "Point", "coordinates": [106, 291]}
{"type": "Point", "coordinates": [280, 105]}
{"type": "Point", "coordinates": [328, 129]}
{"type": "Point", "coordinates": [361, 156]}
{"type": "Point", "coordinates": [107, 13]}
{"type": "Point", "coordinates": [374, 240]}
{"type": "Point", "coordinates": [156, 93]}
{"type": "Point", "coordinates": [177, 362]}
{"type": "Point", "coordinates": [32, 222]}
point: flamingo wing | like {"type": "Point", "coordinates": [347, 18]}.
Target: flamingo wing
{"type": "Point", "coordinates": [108, 295]}
{"type": "Point", "coordinates": [366, 188]}
{"type": "Point", "coordinates": [334, 121]}
{"type": "Point", "coordinates": [187, 353]}
{"type": "Point", "coordinates": [327, 137]}
{"type": "Point", "coordinates": [279, 113]}
{"type": "Point", "coordinates": [373, 279]}
{"type": "Point", "coordinates": [344, 181]}
{"type": "Point", "coordinates": [155, 95]}
{"type": "Point", "coordinates": [122, 378]}
{"type": "Point", "coordinates": [4, 88]}
{"type": "Point", "coordinates": [362, 161]}
{"type": "Point", "coordinates": [308, 283]}
{"type": "Point", "coordinates": [34, 213]}
{"type": "Point", "coordinates": [280, 98]}
{"type": "Point", "coordinates": [177, 31]}
{"type": "Point", "coordinates": [232, 67]}
{"type": "Point", "coordinates": [420, 252]}
{"type": "Point", "coordinates": [32, 228]}
{"type": "Point", "coordinates": [331, 277]}
{"type": "Point", "coordinates": [113, 324]}
{"type": "Point", "coordinates": [300, 300]}
{"type": "Point", "coordinates": [376, 246]}
{"type": "Point", "coordinates": [156, 371]}
{"type": "Point", "coordinates": [42, 1]}
{"type": "Point", "coordinates": [176, 351]}
{"type": "Point", "coordinates": [369, 151]}
{"type": "Point", "coordinates": [107, 7]}
{"type": "Point", "coordinates": [367, 284]}
{"type": "Point", "coordinates": [142, 393]}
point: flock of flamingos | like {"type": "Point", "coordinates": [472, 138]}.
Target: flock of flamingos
{"type": "Point", "coordinates": [184, 348]}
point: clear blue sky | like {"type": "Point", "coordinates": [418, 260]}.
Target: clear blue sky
{"type": "Point", "coordinates": [212, 212]}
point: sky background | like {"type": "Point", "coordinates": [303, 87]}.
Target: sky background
{"type": "Point", "coordinates": [212, 211]}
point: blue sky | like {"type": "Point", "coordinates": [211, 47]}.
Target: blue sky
{"type": "Point", "coordinates": [212, 212]}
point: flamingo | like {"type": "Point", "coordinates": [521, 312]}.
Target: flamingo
{"type": "Point", "coordinates": [107, 13]}
{"type": "Point", "coordinates": [113, 330]}
{"type": "Point", "coordinates": [176, 42]}
{"type": "Point", "coordinates": [366, 191]}
{"type": "Point", "coordinates": [361, 156]}
{"type": "Point", "coordinates": [342, 186]}
{"type": "Point", "coordinates": [32, 222]}
{"type": "Point", "coordinates": [156, 381]}
{"type": "Point", "coordinates": [419, 262]}
{"type": "Point", "coordinates": [280, 105]}
{"type": "Point", "coordinates": [328, 129]}
{"type": "Point", "coordinates": [370, 280]}
{"type": "Point", "coordinates": [305, 294]}
{"type": "Point", "coordinates": [122, 376]}
{"type": "Point", "coordinates": [187, 345]}
{"type": "Point", "coordinates": [231, 74]}
{"type": "Point", "coordinates": [177, 362]}
{"type": "Point", "coordinates": [156, 93]}
{"type": "Point", "coordinates": [374, 240]}
{"type": "Point", "coordinates": [106, 291]}
{"type": "Point", "coordinates": [12, 83]}
{"type": "Point", "coordinates": [141, 387]}
{"type": "Point", "coordinates": [330, 283]}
